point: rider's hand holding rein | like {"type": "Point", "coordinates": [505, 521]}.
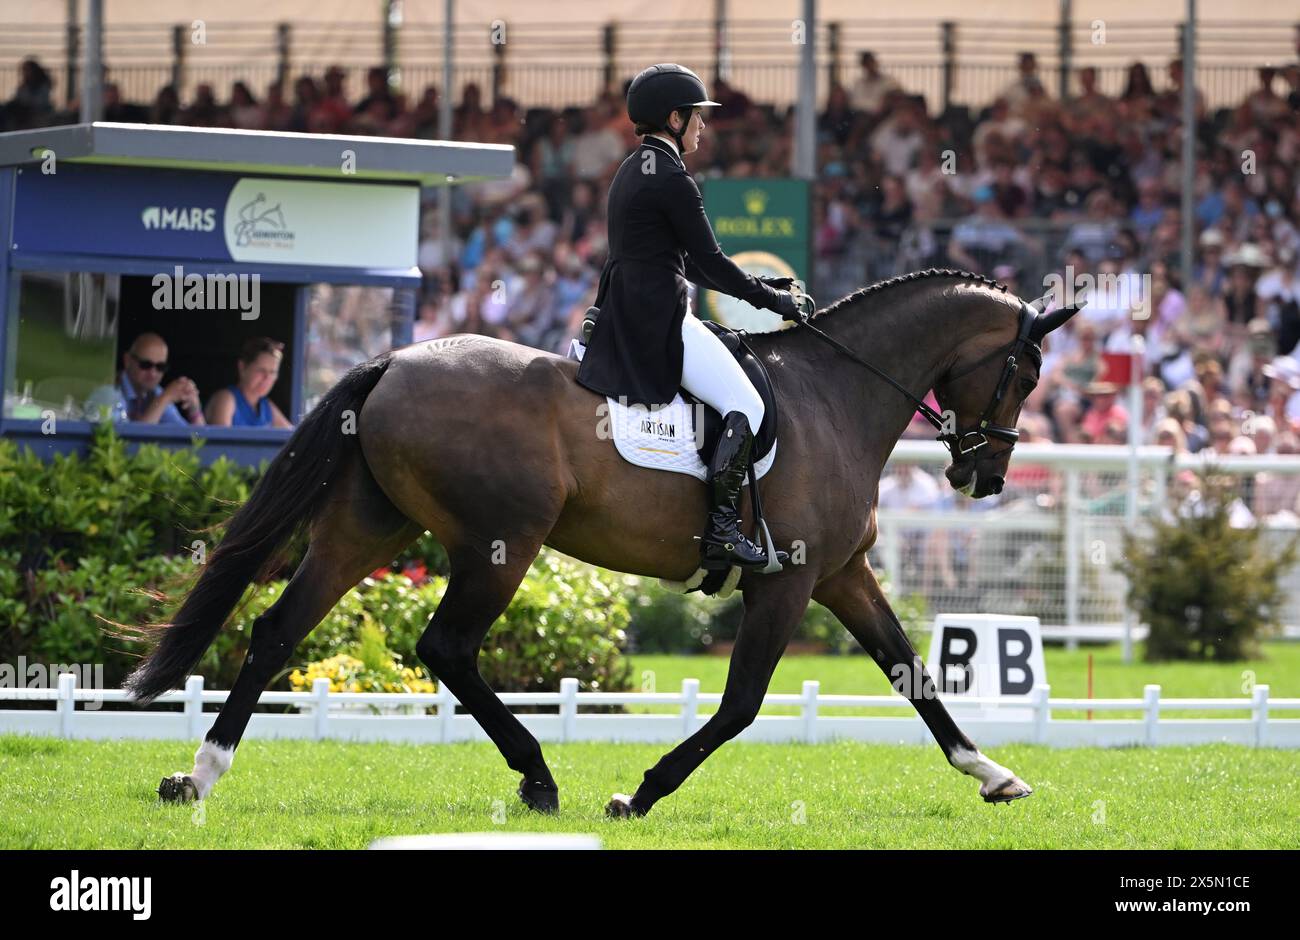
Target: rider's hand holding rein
{"type": "Point", "coordinates": [794, 311]}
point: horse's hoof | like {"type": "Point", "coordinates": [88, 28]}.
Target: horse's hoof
{"type": "Point", "coordinates": [539, 797]}
{"type": "Point", "coordinates": [1006, 791]}
{"type": "Point", "coordinates": [178, 788]}
{"type": "Point", "coordinates": [621, 807]}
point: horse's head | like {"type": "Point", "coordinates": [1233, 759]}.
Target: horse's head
{"type": "Point", "coordinates": [984, 393]}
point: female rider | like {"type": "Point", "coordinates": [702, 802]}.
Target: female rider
{"type": "Point", "coordinates": [646, 342]}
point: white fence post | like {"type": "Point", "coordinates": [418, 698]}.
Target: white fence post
{"type": "Point", "coordinates": [690, 705]}
{"type": "Point", "coordinates": [1042, 711]}
{"type": "Point", "coordinates": [1259, 711]}
{"type": "Point", "coordinates": [1151, 704]}
{"type": "Point", "coordinates": [893, 552]}
{"type": "Point", "coordinates": [446, 712]}
{"type": "Point", "coordinates": [1073, 546]}
{"type": "Point", "coordinates": [320, 688]}
{"type": "Point", "coordinates": [194, 706]}
{"type": "Point", "coordinates": [810, 688]}
{"type": "Point", "coordinates": [67, 702]}
{"type": "Point", "coordinates": [568, 709]}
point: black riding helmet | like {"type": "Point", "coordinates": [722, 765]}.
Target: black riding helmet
{"type": "Point", "coordinates": [662, 89]}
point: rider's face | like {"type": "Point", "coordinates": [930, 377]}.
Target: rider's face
{"type": "Point", "coordinates": [691, 138]}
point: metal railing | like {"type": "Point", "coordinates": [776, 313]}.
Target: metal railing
{"type": "Point", "coordinates": [1046, 546]}
{"type": "Point", "coordinates": [552, 64]}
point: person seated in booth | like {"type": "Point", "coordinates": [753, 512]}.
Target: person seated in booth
{"type": "Point", "coordinates": [147, 399]}
{"type": "Point", "coordinates": [244, 404]}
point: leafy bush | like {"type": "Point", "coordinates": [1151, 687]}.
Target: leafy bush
{"type": "Point", "coordinates": [665, 621]}
{"type": "Point", "coordinates": [112, 505]}
{"type": "Point", "coordinates": [105, 534]}
{"type": "Point", "coordinates": [373, 668]}
{"type": "Point", "coordinates": [1206, 590]}
{"type": "Point", "coordinates": [566, 620]}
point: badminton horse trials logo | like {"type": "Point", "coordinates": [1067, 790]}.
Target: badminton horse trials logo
{"type": "Point", "coordinates": [261, 225]}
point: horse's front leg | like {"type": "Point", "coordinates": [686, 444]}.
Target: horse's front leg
{"type": "Point", "coordinates": [856, 598]}
{"type": "Point", "coordinates": [773, 608]}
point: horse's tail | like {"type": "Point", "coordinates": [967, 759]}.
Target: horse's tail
{"type": "Point", "coordinates": [286, 499]}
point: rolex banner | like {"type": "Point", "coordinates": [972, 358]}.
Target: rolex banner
{"type": "Point", "coordinates": [765, 226]}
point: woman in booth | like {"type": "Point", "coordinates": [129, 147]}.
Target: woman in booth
{"type": "Point", "coordinates": [245, 404]}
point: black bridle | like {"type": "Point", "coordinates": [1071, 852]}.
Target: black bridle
{"type": "Point", "coordinates": [955, 441]}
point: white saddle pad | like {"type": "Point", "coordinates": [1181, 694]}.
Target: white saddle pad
{"type": "Point", "coordinates": [662, 439]}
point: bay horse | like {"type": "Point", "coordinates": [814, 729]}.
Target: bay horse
{"type": "Point", "coordinates": [494, 448]}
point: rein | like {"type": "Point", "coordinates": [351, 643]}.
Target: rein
{"type": "Point", "coordinates": [955, 441]}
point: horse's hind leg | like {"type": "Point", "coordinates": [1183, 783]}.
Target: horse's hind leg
{"type": "Point", "coordinates": [772, 612]}
{"type": "Point", "coordinates": [855, 597]}
{"type": "Point", "coordinates": [358, 531]}
{"type": "Point", "coordinates": [478, 591]}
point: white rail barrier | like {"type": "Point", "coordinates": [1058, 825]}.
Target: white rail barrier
{"type": "Point", "coordinates": [323, 714]}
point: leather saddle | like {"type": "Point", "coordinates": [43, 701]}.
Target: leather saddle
{"type": "Point", "coordinates": [765, 434]}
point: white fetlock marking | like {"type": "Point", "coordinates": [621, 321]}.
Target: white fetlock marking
{"type": "Point", "coordinates": [980, 767]}
{"type": "Point", "coordinates": [210, 762]}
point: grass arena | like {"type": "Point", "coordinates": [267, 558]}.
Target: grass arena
{"type": "Point", "coordinates": [618, 436]}
{"type": "Point", "coordinates": [829, 795]}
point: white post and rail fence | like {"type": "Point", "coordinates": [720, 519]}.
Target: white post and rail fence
{"type": "Point", "coordinates": [404, 717]}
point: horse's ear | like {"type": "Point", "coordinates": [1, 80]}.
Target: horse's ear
{"type": "Point", "coordinates": [1044, 323]}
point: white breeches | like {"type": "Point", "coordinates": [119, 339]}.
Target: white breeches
{"type": "Point", "coordinates": [711, 373]}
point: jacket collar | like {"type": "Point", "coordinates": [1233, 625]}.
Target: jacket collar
{"type": "Point", "coordinates": [663, 147]}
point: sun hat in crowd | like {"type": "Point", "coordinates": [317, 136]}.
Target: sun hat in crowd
{"type": "Point", "coordinates": [1284, 369]}
{"type": "Point", "coordinates": [1249, 255]}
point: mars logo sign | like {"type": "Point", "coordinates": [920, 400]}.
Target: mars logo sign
{"type": "Point", "coordinates": [179, 219]}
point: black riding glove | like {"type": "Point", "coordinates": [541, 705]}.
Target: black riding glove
{"type": "Point", "coordinates": [780, 283]}
{"type": "Point", "coordinates": [785, 305]}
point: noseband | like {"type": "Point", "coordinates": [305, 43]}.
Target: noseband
{"type": "Point", "coordinates": [962, 443]}
{"type": "Point", "coordinates": [957, 442]}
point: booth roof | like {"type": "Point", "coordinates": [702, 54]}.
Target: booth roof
{"type": "Point", "coordinates": [428, 162]}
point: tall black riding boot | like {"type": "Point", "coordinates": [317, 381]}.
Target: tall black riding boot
{"type": "Point", "coordinates": [724, 544]}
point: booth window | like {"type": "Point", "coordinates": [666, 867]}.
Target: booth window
{"type": "Point", "coordinates": [61, 346]}
{"type": "Point", "coordinates": [65, 347]}
{"type": "Point", "coordinates": [346, 325]}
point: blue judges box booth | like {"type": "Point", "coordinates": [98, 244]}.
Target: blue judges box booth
{"type": "Point", "coordinates": [207, 237]}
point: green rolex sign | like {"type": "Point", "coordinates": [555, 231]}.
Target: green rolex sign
{"type": "Point", "coordinates": [765, 226]}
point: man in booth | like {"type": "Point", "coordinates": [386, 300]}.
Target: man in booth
{"type": "Point", "coordinates": [147, 399]}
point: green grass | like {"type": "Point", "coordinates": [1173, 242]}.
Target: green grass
{"type": "Point", "coordinates": [1066, 672]}
{"type": "Point", "coordinates": [299, 794]}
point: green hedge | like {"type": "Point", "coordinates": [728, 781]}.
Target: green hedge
{"type": "Point", "coordinates": [664, 621]}
{"type": "Point", "coordinates": [110, 534]}
{"type": "Point", "coordinates": [106, 533]}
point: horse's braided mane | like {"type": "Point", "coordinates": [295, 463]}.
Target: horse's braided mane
{"type": "Point", "coordinates": [907, 279]}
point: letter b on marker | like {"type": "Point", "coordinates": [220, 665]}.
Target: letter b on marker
{"type": "Point", "coordinates": [947, 658]}
{"type": "Point", "coordinates": [1018, 661]}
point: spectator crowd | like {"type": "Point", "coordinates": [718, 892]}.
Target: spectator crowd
{"type": "Point", "coordinates": [1085, 189]}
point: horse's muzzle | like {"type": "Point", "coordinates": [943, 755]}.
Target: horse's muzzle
{"type": "Point", "coordinates": [966, 479]}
